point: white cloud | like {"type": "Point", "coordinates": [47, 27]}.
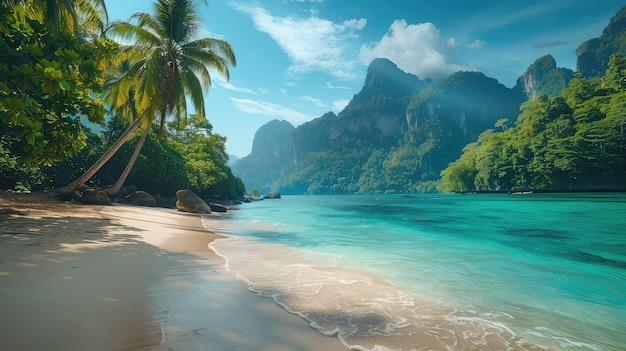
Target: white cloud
{"type": "Point", "coordinates": [313, 100]}
{"type": "Point", "coordinates": [230, 86]}
{"type": "Point", "coordinates": [312, 44]}
{"type": "Point", "coordinates": [418, 49]}
{"type": "Point", "coordinates": [476, 44]}
{"type": "Point", "coordinates": [340, 105]}
{"type": "Point", "coordinates": [329, 85]}
{"type": "Point", "coordinates": [264, 108]}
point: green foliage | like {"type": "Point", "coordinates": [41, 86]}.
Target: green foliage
{"type": "Point", "coordinates": [47, 83]}
{"type": "Point", "coordinates": [615, 78]}
{"type": "Point", "coordinates": [58, 174]}
{"type": "Point", "coordinates": [170, 64]}
{"type": "Point", "coordinates": [13, 172]}
{"type": "Point", "coordinates": [576, 141]}
{"type": "Point", "coordinates": [205, 160]}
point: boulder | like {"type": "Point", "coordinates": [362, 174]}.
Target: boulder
{"type": "Point", "coordinates": [188, 201]}
{"type": "Point", "coordinates": [272, 195]}
{"type": "Point", "coordinates": [140, 198]}
{"type": "Point", "coordinates": [127, 190]}
{"type": "Point", "coordinates": [95, 197]}
{"type": "Point", "coordinates": [218, 208]}
{"type": "Point", "coordinates": [222, 201]}
{"type": "Point", "coordinates": [164, 201]}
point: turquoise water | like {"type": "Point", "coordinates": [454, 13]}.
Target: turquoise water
{"type": "Point", "coordinates": [441, 272]}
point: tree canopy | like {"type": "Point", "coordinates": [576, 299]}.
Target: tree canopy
{"type": "Point", "coordinates": [48, 82]}
{"type": "Point", "coordinates": [573, 141]}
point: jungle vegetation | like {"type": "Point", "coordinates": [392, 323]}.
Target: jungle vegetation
{"type": "Point", "coordinates": [61, 66]}
{"type": "Point", "coordinates": [569, 142]}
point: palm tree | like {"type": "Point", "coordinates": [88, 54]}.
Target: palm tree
{"type": "Point", "coordinates": [74, 16]}
{"type": "Point", "coordinates": [172, 66]}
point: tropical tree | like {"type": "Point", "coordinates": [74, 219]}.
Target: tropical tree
{"type": "Point", "coordinates": [48, 82]}
{"type": "Point", "coordinates": [83, 18]}
{"type": "Point", "coordinates": [171, 65]}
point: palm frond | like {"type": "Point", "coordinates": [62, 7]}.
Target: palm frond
{"type": "Point", "coordinates": [195, 92]}
{"type": "Point", "coordinates": [217, 47]}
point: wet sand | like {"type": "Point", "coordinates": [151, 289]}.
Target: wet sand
{"type": "Point", "coordinates": [82, 277]}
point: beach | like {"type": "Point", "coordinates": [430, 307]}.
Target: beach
{"type": "Point", "coordinates": [85, 277]}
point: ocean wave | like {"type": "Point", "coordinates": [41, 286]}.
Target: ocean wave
{"type": "Point", "coordinates": [365, 312]}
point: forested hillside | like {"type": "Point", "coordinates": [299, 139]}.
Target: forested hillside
{"type": "Point", "coordinates": [271, 153]}
{"type": "Point", "coordinates": [570, 142]}
{"type": "Point", "coordinates": [396, 135]}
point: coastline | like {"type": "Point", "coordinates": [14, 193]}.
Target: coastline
{"type": "Point", "coordinates": [85, 277]}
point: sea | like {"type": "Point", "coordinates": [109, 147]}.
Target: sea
{"type": "Point", "coordinates": [440, 271]}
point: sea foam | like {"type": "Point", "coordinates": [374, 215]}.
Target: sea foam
{"type": "Point", "coordinates": [364, 312]}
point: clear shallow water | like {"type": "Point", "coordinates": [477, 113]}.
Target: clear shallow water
{"type": "Point", "coordinates": [443, 272]}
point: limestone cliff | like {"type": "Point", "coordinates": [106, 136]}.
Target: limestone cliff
{"type": "Point", "coordinates": [543, 77]}
{"type": "Point", "coordinates": [592, 56]}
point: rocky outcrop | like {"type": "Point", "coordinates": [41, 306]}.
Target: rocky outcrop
{"type": "Point", "coordinates": [543, 77]}
{"type": "Point", "coordinates": [188, 201]}
{"type": "Point", "coordinates": [592, 56]}
{"type": "Point", "coordinates": [165, 201]}
{"type": "Point", "coordinates": [376, 114]}
{"type": "Point", "coordinates": [218, 208]}
{"type": "Point", "coordinates": [95, 197]}
{"type": "Point", "coordinates": [272, 195]}
{"type": "Point", "coordinates": [126, 190]}
{"type": "Point", "coordinates": [271, 153]}
{"type": "Point", "coordinates": [140, 198]}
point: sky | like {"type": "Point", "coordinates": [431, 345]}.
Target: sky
{"type": "Point", "coordinates": [298, 59]}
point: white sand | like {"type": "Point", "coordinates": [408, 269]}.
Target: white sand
{"type": "Point", "coordinates": [79, 277]}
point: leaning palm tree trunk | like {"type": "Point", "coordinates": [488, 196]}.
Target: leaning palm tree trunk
{"type": "Point", "coordinates": [69, 190]}
{"type": "Point", "coordinates": [115, 188]}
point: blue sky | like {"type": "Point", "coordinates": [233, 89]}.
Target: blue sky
{"type": "Point", "coordinates": [298, 59]}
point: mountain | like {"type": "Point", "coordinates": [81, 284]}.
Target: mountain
{"type": "Point", "coordinates": [376, 113]}
{"type": "Point", "coordinates": [441, 120]}
{"type": "Point", "coordinates": [544, 77]}
{"type": "Point", "coordinates": [593, 55]}
{"type": "Point", "coordinates": [271, 153]}
{"type": "Point", "coordinates": [232, 159]}
{"type": "Point", "coordinates": [397, 132]}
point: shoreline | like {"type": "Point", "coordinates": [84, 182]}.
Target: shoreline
{"type": "Point", "coordinates": [86, 277]}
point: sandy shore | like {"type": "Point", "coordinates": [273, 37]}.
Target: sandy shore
{"type": "Point", "coordinates": [79, 277]}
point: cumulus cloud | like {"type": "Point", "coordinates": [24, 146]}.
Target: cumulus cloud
{"type": "Point", "coordinates": [417, 48]}
{"type": "Point", "coordinates": [476, 44]}
{"type": "Point", "coordinates": [264, 108]}
{"type": "Point", "coordinates": [312, 44]}
{"type": "Point", "coordinates": [313, 100]}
